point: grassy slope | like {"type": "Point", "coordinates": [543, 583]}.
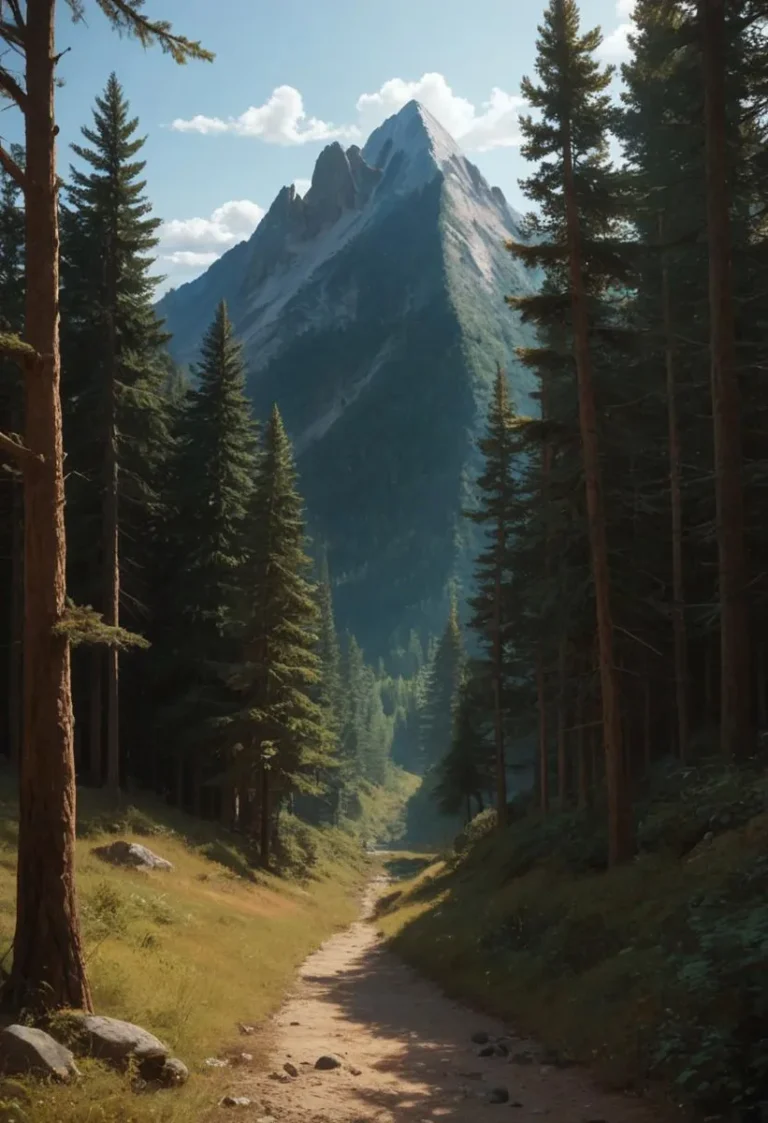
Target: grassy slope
{"type": "Point", "coordinates": [186, 954]}
{"type": "Point", "coordinates": [657, 970]}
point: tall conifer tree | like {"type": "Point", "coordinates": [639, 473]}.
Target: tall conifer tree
{"type": "Point", "coordinates": [114, 374]}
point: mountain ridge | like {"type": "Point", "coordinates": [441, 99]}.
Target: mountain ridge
{"type": "Point", "coordinates": [371, 309]}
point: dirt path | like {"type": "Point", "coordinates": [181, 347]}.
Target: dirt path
{"type": "Point", "coordinates": [406, 1053]}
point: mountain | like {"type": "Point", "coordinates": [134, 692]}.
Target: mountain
{"type": "Point", "coordinates": [372, 310]}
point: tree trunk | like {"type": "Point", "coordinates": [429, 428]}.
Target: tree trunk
{"type": "Point", "coordinates": [16, 653]}
{"type": "Point", "coordinates": [543, 736]}
{"type": "Point", "coordinates": [498, 672]}
{"type": "Point", "coordinates": [582, 748]}
{"type": "Point", "coordinates": [110, 523]}
{"type": "Point", "coordinates": [96, 764]}
{"type": "Point", "coordinates": [680, 637]}
{"type": "Point", "coordinates": [562, 755]}
{"type": "Point", "coordinates": [735, 682]}
{"type": "Point", "coordinates": [647, 751]}
{"type": "Point", "coordinates": [762, 708]}
{"type": "Point", "coordinates": [48, 965]}
{"type": "Point", "coordinates": [266, 818]}
{"type": "Point", "coordinates": [620, 831]}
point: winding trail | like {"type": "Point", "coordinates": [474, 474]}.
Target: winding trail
{"type": "Point", "coordinates": [406, 1052]}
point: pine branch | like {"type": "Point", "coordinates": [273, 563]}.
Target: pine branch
{"type": "Point", "coordinates": [19, 452]}
{"type": "Point", "coordinates": [13, 347]}
{"type": "Point", "coordinates": [12, 169]}
{"type": "Point", "coordinates": [82, 624]}
{"type": "Point", "coordinates": [126, 16]}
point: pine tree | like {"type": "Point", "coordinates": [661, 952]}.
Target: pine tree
{"type": "Point", "coordinates": [11, 497]}
{"type": "Point", "coordinates": [48, 964]}
{"type": "Point", "coordinates": [443, 689]}
{"type": "Point", "coordinates": [581, 201]}
{"type": "Point", "coordinates": [330, 691]}
{"type": "Point", "coordinates": [468, 770]}
{"type": "Point", "coordinates": [495, 514]}
{"type": "Point", "coordinates": [735, 702]}
{"type": "Point", "coordinates": [114, 374]}
{"type": "Point", "coordinates": [212, 486]}
{"type": "Point", "coordinates": [280, 726]}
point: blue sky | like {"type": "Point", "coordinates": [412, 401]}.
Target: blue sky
{"type": "Point", "coordinates": [289, 75]}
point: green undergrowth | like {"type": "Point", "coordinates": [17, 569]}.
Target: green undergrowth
{"type": "Point", "coordinates": [187, 954]}
{"type": "Point", "coordinates": [655, 973]}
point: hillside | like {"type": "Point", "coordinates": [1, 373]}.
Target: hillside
{"type": "Point", "coordinates": [187, 954]}
{"type": "Point", "coordinates": [372, 310]}
{"type": "Point", "coordinates": [653, 974]}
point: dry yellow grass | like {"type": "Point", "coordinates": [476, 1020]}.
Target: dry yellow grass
{"type": "Point", "coordinates": [187, 954]}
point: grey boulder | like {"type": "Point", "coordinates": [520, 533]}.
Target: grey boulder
{"type": "Point", "coordinates": [118, 1043]}
{"type": "Point", "coordinates": [25, 1051]}
{"type": "Point", "coordinates": [132, 855]}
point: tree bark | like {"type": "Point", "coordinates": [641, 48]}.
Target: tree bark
{"type": "Point", "coordinates": [110, 522]}
{"type": "Point", "coordinates": [562, 754]}
{"type": "Point", "coordinates": [16, 653]}
{"type": "Point", "coordinates": [96, 764]}
{"type": "Point", "coordinates": [582, 748]}
{"type": "Point", "coordinates": [265, 847]}
{"type": "Point", "coordinates": [48, 965]}
{"type": "Point", "coordinates": [680, 637]}
{"type": "Point", "coordinates": [543, 735]}
{"type": "Point", "coordinates": [620, 830]}
{"type": "Point", "coordinates": [498, 686]}
{"type": "Point", "coordinates": [735, 739]}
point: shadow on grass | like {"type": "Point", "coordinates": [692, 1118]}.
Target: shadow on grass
{"type": "Point", "coordinates": [404, 868]}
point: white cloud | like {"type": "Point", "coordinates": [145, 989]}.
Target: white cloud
{"type": "Point", "coordinates": [189, 259]}
{"type": "Point", "coordinates": [195, 243]}
{"type": "Point", "coordinates": [302, 186]}
{"type": "Point", "coordinates": [615, 46]}
{"type": "Point", "coordinates": [282, 119]}
{"type": "Point", "coordinates": [493, 125]}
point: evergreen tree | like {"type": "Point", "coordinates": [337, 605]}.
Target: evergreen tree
{"type": "Point", "coordinates": [212, 486]}
{"type": "Point", "coordinates": [581, 201]}
{"type": "Point", "coordinates": [280, 726]}
{"type": "Point", "coordinates": [48, 962]}
{"type": "Point", "coordinates": [467, 772]}
{"type": "Point", "coordinates": [114, 375]}
{"type": "Point", "coordinates": [442, 690]}
{"type": "Point", "coordinates": [495, 514]}
{"type": "Point", "coordinates": [330, 692]}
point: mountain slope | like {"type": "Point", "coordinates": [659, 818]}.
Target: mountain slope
{"type": "Point", "coordinates": [372, 311]}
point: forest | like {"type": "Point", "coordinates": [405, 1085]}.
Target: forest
{"type": "Point", "coordinates": [171, 625]}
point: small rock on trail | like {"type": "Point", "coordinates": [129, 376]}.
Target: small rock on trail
{"type": "Point", "coordinates": [328, 1062]}
{"type": "Point", "coordinates": [498, 1095]}
{"type": "Point", "coordinates": [291, 1069]}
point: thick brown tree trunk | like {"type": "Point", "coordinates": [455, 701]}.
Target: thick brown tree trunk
{"type": "Point", "coordinates": [541, 694]}
{"type": "Point", "coordinates": [48, 966]}
{"type": "Point", "coordinates": [620, 830]}
{"type": "Point", "coordinates": [562, 754]}
{"type": "Point", "coordinates": [735, 732]}
{"type": "Point", "coordinates": [680, 637]}
{"type": "Point", "coordinates": [16, 654]}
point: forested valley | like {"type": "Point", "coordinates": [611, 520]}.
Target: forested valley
{"type": "Point", "coordinates": [584, 740]}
